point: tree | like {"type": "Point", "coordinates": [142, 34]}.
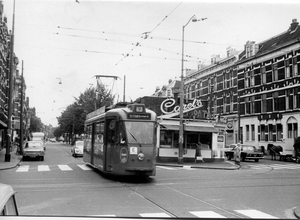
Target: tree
{"type": "Point", "coordinates": [72, 119]}
{"type": "Point", "coordinates": [94, 98]}
{"type": "Point", "coordinates": [36, 124]}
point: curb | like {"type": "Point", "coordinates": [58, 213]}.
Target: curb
{"type": "Point", "coordinates": [13, 166]}
{"type": "Point", "coordinates": [234, 167]}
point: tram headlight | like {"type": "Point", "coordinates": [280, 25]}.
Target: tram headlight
{"type": "Point", "coordinates": [123, 155]}
{"type": "Point", "coordinates": [141, 156]}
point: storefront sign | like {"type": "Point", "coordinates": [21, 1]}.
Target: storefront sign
{"type": "Point", "coordinates": [169, 103]}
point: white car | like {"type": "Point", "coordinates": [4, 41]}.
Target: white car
{"type": "Point", "coordinates": [34, 149]}
{"type": "Point", "coordinates": [8, 205]}
{"type": "Point", "coordinates": [77, 149]}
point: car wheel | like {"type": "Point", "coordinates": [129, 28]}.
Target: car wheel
{"type": "Point", "coordinates": [256, 160]}
{"type": "Point", "coordinates": [42, 158]}
{"type": "Point", "coordinates": [228, 157]}
{"type": "Point", "coordinates": [243, 158]}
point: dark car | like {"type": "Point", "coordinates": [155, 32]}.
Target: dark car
{"type": "Point", "coordinates": [248, 152]}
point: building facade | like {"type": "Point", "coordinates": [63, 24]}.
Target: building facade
{"type": "Point", "coordinates": [4, 75]}
{"type": "Point", "coordinates": [256, 90]}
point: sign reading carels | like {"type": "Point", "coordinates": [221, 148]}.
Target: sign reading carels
{"type": "Point", "coordinates": [169, 103]}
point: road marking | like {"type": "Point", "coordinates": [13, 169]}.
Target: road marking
{"type": "Point", "coordinates": [207, 214]}
{"type": "Point", "coordinates": [84, 167]}
{"type": "Point", "coordinates": [43, 168]}
{"type": "Point", "coordinates": [275, 166]}
{"type": "Point", "coordinates": [23, 168]}
{"type": "Point", "coordinates": [167, 168]}
{"type": "Point", "coordinates": [155, 215]}
{"type": "Point", "coordinates": [255, 214]}
{"type": "Point", "coordinates": [64, 167]}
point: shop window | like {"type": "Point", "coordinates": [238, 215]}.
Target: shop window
{"type": "Point", "coordinates": [166, 138]}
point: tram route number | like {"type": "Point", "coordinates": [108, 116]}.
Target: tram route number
{"type": "Point", "coordinates": [139, 116]}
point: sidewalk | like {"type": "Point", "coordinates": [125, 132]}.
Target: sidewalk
{"type": "Point", "coordinates": [221, 165]}
{"type": "Point", "coordinates": [14, 160]}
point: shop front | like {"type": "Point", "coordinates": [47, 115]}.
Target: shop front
{"type": "Point", "coordinates": [209, 133]}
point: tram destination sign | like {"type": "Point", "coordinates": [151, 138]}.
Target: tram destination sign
{"type": "Point", "coordinates": [139, 116]}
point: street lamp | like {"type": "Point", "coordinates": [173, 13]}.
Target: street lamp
{"type": "Point", "coordinates": [180, 155]}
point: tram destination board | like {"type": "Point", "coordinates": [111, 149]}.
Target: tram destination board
{"type": "Point", "coordinates": [139, 116]}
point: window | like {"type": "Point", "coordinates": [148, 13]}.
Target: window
{"type": "Point", "coordinates": [262, 133]}
{"type": "Point", "coordinates": [290, 98]}
{"type": "Point", "coordinates": [270, 134]}
{"type": "Point", "coordinates": [252, 132]}
{"type": "Point", "coordinates": [247, 133]}
{"type": "Point", "coordinates": [279, 132]}
{"type": "Point", "coordinates": [292, 127]}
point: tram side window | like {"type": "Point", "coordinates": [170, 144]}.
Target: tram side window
{"type": "Point", "coordinates": [99, 137]}
{"type": "Point", "coordinates": [111, 132]}
{"type": "Point", "coordinates": [88, 132]}
{"type": "Point", "coordinates": [121, 133]}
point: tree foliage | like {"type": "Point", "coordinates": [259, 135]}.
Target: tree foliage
{"type": "Point", "coordinates": [71, 120]}
{"type": "Point", "coordinates": [36, 124]}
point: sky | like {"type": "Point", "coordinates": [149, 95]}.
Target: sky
{"type": "Point", "coordinates": [140, 42]}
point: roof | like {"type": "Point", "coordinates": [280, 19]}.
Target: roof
{"type": "Point", "coordinates": [6, 191]}
{"type": "Point", "coordinates": [292, 35]}
{"type": "Point", "coordinates": [279, 40]}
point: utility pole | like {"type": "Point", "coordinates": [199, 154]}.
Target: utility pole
{"type": "Point", "coordinates": [21, 113]}
{"type": "Point", "coordinates": [124, 89]}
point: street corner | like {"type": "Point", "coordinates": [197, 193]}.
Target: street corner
{"type": "Point", "coordinates": [14, 161]}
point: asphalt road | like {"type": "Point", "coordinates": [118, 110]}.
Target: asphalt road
{"type": "Point", "coordinates": [62, 185]}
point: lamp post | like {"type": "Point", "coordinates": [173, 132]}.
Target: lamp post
{"type": "Point", "coordinates": [180, 155]}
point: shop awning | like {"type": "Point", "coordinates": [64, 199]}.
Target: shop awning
{"type": "Point", "coordinates": [200, 128]}
{"type": "Point", "coordinates": [170, 125]}
{"type": "Point", "coordinates": [190, 126]}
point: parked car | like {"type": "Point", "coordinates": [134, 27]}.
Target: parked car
{"type": "Point", "coordinates": [34, 149]}
{"type": "Point", "coordinates": [77, 149]}
{"type": "Point", "coordinates": [8, 204]}
{"type": "Point", "coordinates": [248, 152]}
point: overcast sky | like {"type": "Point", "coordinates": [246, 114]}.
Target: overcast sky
{"type": "Point", "coordinates": [71, 42]}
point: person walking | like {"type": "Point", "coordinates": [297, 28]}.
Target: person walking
{"type": "Point", "coordinates": [198, 152]}
{"type": "Point", "coordinates": [237, 154]}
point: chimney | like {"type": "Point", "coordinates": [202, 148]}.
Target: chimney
{"type": "Point", "coordinates": [294, 25]}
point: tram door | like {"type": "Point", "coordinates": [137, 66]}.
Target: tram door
{"type": "Point", "coordinates": [111, 126]}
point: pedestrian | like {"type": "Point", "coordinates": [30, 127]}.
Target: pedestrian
{"type": "Point", "coordinates": [198, 152]}
{"type": "Point", "coordinates": [237, 154]}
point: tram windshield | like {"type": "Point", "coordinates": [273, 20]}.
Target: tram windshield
{"type": "Point", "coordinates": [140, 132]}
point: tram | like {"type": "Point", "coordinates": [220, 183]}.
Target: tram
{"type": "Point", "coordinates": [121, 140]}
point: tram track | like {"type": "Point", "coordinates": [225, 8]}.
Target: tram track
{"type": "Point", "coordinates": [184, 194]}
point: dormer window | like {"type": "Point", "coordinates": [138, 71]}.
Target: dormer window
{"type": "Point", "coordinates": [251, 48]}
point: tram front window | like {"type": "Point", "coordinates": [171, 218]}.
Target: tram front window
{"type": "Point", "coordinates": [139, 132]}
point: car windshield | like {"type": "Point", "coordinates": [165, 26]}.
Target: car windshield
{"type": "Point", "coordinates": [140, 132]}
{"type": "Point", "coordinates": [34, 145]}
{"type": "Point", "coordinates": [248, 148]}
{"type": "Point", "coordinates": [79, 144]}
{"type": "Point", "coordinates": [139, 106]}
